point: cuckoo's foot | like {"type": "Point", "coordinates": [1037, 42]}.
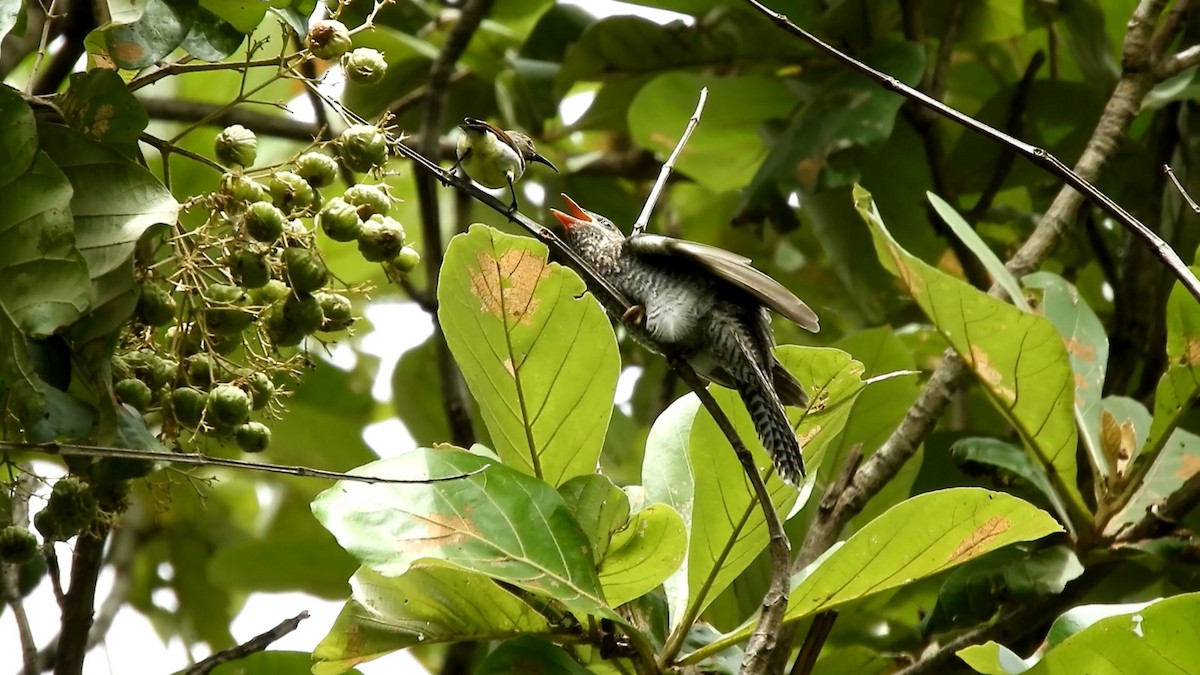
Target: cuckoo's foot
{"type": "Point", "coordinates": [635, 315]}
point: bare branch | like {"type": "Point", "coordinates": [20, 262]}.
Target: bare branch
{"type": "Point", "coordinates": [1186, 58]}
{"type": "Point", "coordinates": [818, 633]}
{"type": "Point", "coordinates": [200, 459]}
{"type": "Point", "coordinates": [255, 644]}
{"type": "Point", "coordinates": [80, 599]}
{"type": "Point", "coordinates": [282, 126]}
{"type": "Point", "coordinates": [639, 225]}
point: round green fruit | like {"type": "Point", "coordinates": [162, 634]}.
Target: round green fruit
{"type": "Point", "coordinates": [370, 200]}
{"type": "Point", "coordinates": [261, 389]}
{"type": "Point", "coordinates": [253, 437]}
{"type": "Point", "coordinates": [305, 273]}
{"type": "Point", "coordinates": [317, 169]}
{"type": "Point", "coordinates": [280, 331]}
{"type": "Point", "coordinates": [381, 239]}
{"type": "Point", "coordinates": [364, 66]}
{"type": "Point", "coordinates": [273, 291]}
{"type": "Point", "coordinates": [228, 406]}
{"type": "Point", "coordinates": [264, 221]}
{"type": "Point", "coordinates": [156, 306]}
{"type": "Point", "coordinates": [362, 147]}
{"type": "Point", "coordinates": [17, 545]}
{"type": "Point", "coordinates": [134, 393]}
{"type": "Point", "coordinates": [236, 146]}
{"type": "Point", "coordinates": [188, 404]}
{"type": "Point", "coordinates": [406, 260]}
{"type": "Point", "coordinates": [290, 192]}
{"type": "Point", "coordinates": [303, 313]}
{"type": "Point", "coordinates": [242, 188]}
{"type": "Point", "coordinates": [338, 311]}
{"type": "Point", "coordinates": [249, 268]}
{"type": "Point", "coordinates": [328, 39]}
{"type": "Point", "coordinates": [339, 220]}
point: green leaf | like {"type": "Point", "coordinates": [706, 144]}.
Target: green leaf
{"type": "Point", "coordinates": [624, 46]}
{"type": "Point", "coordinates": [417, 394]}
{"type": "Point", "coordinates": [726, 149]}
{"type": "Point", "coordinates": [242, 16]}
{"type": "Point", "coordinates": [539, 357]}
{"type": "Point", "coordinates": [1179, 387]}
{"type": "Point", "coordinates": [528, 654]}
{"type": "Point", "coordinates": [643, 553]}
{"type": "Point", "coordinates": [1087, 348]}
{"type": "Point", "coordinates": [991, 262]}
{"type": "Point", "coordinates": [727, 529]}
{"type": "Point", "coordinates": [211, 37]}
{"type": "Point", "coordinates": [273, 662]}
{"type": "Point", "coordinates": [424, 605]}
{"type": "Point", "coordinates": [975, 591]}
{"type": "Point", "coordinates": [1086, 39]}
{"type": "Point", "coordinates": [992, 658]}
{"type": "Point", "coordinates": [10, 14]}
{"type": "Point", "coordinates": [992, 452]}
{"type": "Point", "coordinates": [1176, 463]}
{"type": "Point", "coordinates": [1081, 617]}
{"type": "Point", "coordinates": [599, 507]}
{"type": "Point", "coordinates": [499, 523]}
{"type": "Point", "coordinates": [19, 144]}
{"type": "Point", "coordinates": [1019, 358]}
{"type": "Point", "coordinates": [667, 478]}
{"type": "Point", "coordinates": [917, 538]}
{"type": "Point", "coordinates": [115, 202]}
{"type": "Point", "coordinates": [98, 104]}
{"type": "Point", "coordinates": [46, 286]}
{"type": "Point", "coordinates": [1158, 639]}
{"type": "Point", "coordinates": [847, 109]}
{"type": "Point", "coordinates": [161, 28]}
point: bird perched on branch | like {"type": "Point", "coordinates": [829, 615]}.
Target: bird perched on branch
{"type": "Point", "coordinates": [708, 306]}
{"type": "Point", "coordinates": [494, 157]}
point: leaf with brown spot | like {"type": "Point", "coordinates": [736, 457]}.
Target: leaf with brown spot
{"type": "Point", "coordinates": [915, 539]}
{"type": "Point", "coordinates": [1179, 387]}
{"type": "Point", "coordinates": [978, 540]}
{"type": "Point", "coordinates": [499, 523]}
{"type": "Point", "coordinates": [1176, 463]}
{"type": "Point", "coordinates": [1118, 440]}
{"type": "Point", "coordinates": [1018, 357]}
{"type": "Point", "coordinates": [536, 351]}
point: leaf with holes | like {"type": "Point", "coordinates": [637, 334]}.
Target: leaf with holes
{"type": "Point", "coordinates": [917, 538]}
{"type": "Point", "coordinates": [1018, 357]}
{"type": "Point", "coordinates": [539, 357]}
{"type": "Point", "coordinates": [423, 605]}
{"type": "Point", "coordinates": [500, 523]}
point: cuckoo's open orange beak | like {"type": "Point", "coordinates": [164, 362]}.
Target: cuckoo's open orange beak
{"type": "Point", "coordinates": [577, 215]}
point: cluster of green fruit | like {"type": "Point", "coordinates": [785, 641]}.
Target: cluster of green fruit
{"type": "Point", "coordinates": [251, 281]}
{"type": "Point", "coordinates": [72, 507]}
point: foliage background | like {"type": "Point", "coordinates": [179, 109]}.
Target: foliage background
{"type": "Point", "coordinates": [769, 174]}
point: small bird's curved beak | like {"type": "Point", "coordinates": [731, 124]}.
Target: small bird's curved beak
{"type": "Point", "coordinates": [542, 160]}
{"type": "Point", "coordinates": [576, 217]}
{"type": "Point", "coordinates": [469, 123]}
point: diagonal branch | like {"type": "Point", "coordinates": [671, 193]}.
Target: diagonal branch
{"type": "Point", "coordinates": [254, 644]}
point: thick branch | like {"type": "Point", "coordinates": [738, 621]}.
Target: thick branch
{"type": "Point", "coordinates": [454, 398]}
{"type": "Point", "coordinates": [80, 599]}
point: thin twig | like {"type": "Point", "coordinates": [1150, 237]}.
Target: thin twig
{"type": "Point", "coordinates": [639, 225]}
{"type": "Point", "coordinates": [1179, 186]}
{"type": "Point", "coordinates": [41, 54]}
{"type": "Point", "coordinates": [200, 459]}
{"type": "Point", "coordinates": [254, 644]}
{"type": "Point", "coordinates": [183, 68]}
{"type": "Point", "coordinates": [10, 585]}
{"type": "Point", "coordinates": [1038, 156]}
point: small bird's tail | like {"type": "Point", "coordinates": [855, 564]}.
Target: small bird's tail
{"type": "Point", "coordinates": [774, 430]}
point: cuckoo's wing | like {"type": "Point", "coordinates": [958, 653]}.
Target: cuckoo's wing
{"type": "Point", "coordinates": [734, 269]}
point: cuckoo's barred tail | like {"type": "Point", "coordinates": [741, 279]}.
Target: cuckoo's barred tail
{"type": "Point", "coordinates": [774, 430]}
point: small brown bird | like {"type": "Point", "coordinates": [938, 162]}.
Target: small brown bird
{"type": "Point", "coordinates": [494, 157]}
{"type": "Point", "coordinates": [708, 306]}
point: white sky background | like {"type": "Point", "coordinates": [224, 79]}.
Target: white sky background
{"type": "Point", "coordinates": [132, 645]}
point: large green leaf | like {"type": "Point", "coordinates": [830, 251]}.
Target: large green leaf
{"type": "Point", "coordinates": [529, 655]}
{"type": "Point", "coordinates": [1177, 462]}
{"type": "Point", "coordinates": [846, 110]}
{"type": "Point", "coordinates": [1010, 460]}
{"type": "Point", "coordinates": [161, 28]}
{"type": "Point", "coordinates": [667, 477]}
{"type": "Point", "coordinates": [19, 145]}
{"type": "Point", "coordinates": [643, 553]}
{"type": "Point", "coordinates": [425, 604]}
{"type": "Point", "coordinates": [915, 539]}
{"type": "Point", "coordinates": [499, 523]}
{"type": "Point", "coordinates": [1019, 358]}
{"type": "Point", "coordinates": [1158, 639]}
{"type": "Point", "coordinates": [727, 148]}
{"type": "Point", "coordinates": [626, 46]}
{"type": "Point", "coordinates": [115, 202]}
{"type": "Point", "coordinates": [539, 357]}
{"type": "Point", "coordinates": [272, 662]}
{"type": "Point", "coordinates": [1087, 347]}
{"type": "Point", "coordinates": [728, 530]}
{"type": "Point", "coordinates": [1179, 387]}
{"type": "Point", "coordinates": [98, 104]}
{"type": "Point", "coordinates": [599, 507]}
